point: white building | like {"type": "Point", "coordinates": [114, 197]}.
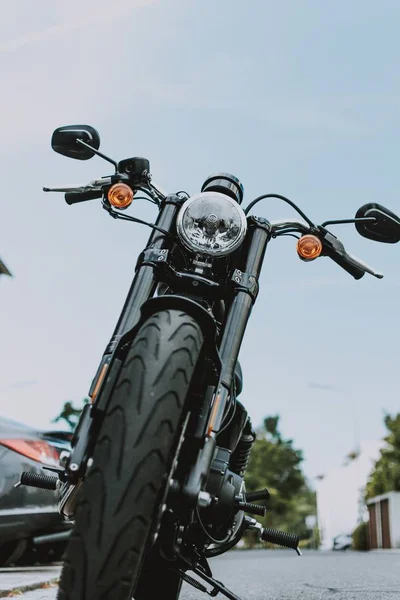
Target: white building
{"type": "Point", "coordinates": [340, 495]}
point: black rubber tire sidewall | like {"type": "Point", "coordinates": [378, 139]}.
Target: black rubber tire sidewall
{"type": "Point", "coordinates": [119, 502]}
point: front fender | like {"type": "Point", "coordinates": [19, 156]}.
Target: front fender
{"type": "Point", "coordinates": [167, 302]}
{"type": "Point", "coordinates": [171, 301]}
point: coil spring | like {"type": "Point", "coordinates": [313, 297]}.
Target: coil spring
{"type": "Point", "coordinates": [192, 581]}
{"type": "Point", "coordinates": [241, 455]}
{"type": "Point", "coordinates": [45, 482]}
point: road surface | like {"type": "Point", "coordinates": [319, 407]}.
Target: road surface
{"type": "Point", "coordinates": [281, 575]}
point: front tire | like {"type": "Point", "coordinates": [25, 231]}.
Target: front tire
{"type": "Point", "coordinates": [119, 505]}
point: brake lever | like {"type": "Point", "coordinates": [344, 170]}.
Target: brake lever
{"type": "Point", "coordinates": [366, 268]}
{"type": "Point", "coordinates": [337, 246]}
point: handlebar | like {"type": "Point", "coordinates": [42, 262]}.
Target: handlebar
{"type": "Point", "coordinates": [332, 247]}
{"type": "Point", "coordinates": [75, 197]}
{"type": "Point", "coordinates": [90, 192]}
{"type": "Point", "coordinates": [93, 191]}
{"type": "Point", "coordinates": [282, 226]}
{"type": "Point", "coordinates": [157, 190]}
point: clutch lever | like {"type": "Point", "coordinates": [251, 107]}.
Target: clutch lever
{"type": "Point", "coordinates": [91, 186]}
{"type": "Point", "coordinates": [82, 188]}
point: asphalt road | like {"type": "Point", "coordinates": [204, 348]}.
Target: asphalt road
{"type": "Point", "coordinates": [281, 575]}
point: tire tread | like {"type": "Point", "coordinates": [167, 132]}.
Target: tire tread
{"type": "Point", "coordinates": [133, 456]}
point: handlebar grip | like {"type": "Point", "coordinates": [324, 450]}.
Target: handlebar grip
{"type": "Point", "coordinates": [348, 263]}
{"type": "Point", "coordinates": [75, 197]}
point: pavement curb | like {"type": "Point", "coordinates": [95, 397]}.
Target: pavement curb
{"type": "Point", "coordinates": [22, 589]}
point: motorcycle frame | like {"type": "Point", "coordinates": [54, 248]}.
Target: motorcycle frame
{"type": "Point", "coordinates": [152, 268]}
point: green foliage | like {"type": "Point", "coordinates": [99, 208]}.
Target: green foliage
{"type": "Point", "coordinates": [360, 537]}
{"type": "Point", "coordinates": [386, 475]}
{"type": "Point", "coordinates": [276, 464]}
{"type": "Point", "coordinates": [351, 456]}
{"type": "Point", "coordinates": [70, 415]}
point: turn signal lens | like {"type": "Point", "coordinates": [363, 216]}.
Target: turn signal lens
{"type": "Point", "coordinates": [309, 247]}
{"type": "Point", "coordinates": [120, 195]}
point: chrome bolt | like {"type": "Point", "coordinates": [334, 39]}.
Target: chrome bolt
{"type": "Point", "coordinates": [204, 499]}
{"type": "Point", "coordinates": [73, 467]}
{"type": "Point", "coordinates": [64, 456]}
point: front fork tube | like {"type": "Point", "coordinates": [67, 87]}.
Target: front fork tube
{"type": "Point", "coordinates": [142, 288]}
{"type": "Point", "coordinates": [245, 288]}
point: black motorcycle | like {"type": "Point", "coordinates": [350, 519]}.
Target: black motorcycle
{"type": "Point", "coordinates": [155, 481]}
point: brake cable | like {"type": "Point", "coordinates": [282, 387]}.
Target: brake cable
{"type": "Point", "coordinates": [208, 534]}
{"type": "Point", "coordinates": [284, 199]}
{"type": "Point", "coordinates": [116, 215]}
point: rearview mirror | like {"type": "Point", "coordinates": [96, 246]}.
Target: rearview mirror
{"type": "Point", "coordinates": [64, 141]}
{"type": "Point", "coordinates": [386, 227]}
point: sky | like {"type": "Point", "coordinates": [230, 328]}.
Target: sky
{"type": "Point", "coordinates": [343, 515]}
{"type": "Point", "coordinates": [296, 98]}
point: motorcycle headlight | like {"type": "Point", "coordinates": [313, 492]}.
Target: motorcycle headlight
{"type": "Point", "coordinates": [211, 223]}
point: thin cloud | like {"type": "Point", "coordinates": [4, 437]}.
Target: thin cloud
{"type": "Point", "coordinates": [16, 385]}
{"type": "Point", "coordinates": [320, 386]}
{"type": "Point", "coordinates": [94, 16]}
{"type": "Point", "coordinates": [24, 384]}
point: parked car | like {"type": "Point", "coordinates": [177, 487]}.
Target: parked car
{"type": "Point", "coordinates": [27, 514]}
{"type": "Point", "coordinates": [342, 542]}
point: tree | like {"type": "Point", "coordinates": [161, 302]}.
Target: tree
{"type": "Point", "coordinates": [276, 464]}
{"type": "Point", "coordinates": [351, 456]}
{"type": "Point", "coordinates": [360, 537]}
{"type": "Point", "coordinates": [70, 415]}
{"type": "Point", "coordinates": [386, 474]}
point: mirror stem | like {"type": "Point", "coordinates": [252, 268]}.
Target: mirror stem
{"type": "Point", "coordinates": [107, 158]}
{"type": "Point", "coordinates": [343, 221]}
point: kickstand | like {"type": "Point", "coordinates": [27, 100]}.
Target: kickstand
{"type": "Point", "coordinates": [217, 586]}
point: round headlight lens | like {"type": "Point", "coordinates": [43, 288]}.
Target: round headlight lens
{"type": "Point", "coordinates": [212, 224]}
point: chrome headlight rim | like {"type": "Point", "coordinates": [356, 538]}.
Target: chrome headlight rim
{"type": "Point", "coordinates": [187, 242]}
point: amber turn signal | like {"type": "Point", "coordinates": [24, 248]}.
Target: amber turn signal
{"type": "Point", "coordinates": [309, 247]}
{"type": "Point", "coordinates": [120, 195]}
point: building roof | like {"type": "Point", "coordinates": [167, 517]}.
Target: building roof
{"type": "Point", "coordinates": [3, 269]}
{"type": "Point", "coordinates": [385, 496]}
